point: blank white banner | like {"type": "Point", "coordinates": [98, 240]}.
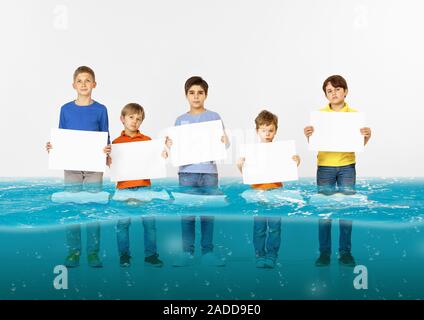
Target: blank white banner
{"type": "Point", "coordinates": [138, 160]}
{"type": "Point", "coordinates": [77, 150]}
{"type": "Point", "coordinates": [337, 131]}
{"type": "Point", "coordinates": [269, 162]}
{"type": "Point", "coordinates": [197, 142]}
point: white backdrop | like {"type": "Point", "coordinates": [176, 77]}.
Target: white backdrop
{"type": "Point", "coordinates": [270, 54]}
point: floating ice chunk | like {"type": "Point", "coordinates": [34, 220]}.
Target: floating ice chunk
{"type": "Point", "coordinates": [338, 199]}
{"type": "Point", "coordinates": [81, 197]}
{"type": "Point", "coordinates": [202, 200]}
{"type": "Point", "coordinates": [273, 196]}
{"type": "Point", "coordinates": [325, 215]}
{"type": "Point", "coordinates": [140, 194]}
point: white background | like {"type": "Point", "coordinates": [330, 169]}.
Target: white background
{"type": "Point", "coordinates": [254, 55]}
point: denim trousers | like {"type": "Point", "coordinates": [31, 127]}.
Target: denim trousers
{"type": "Point", "coordinates": [266, 236]}
{"type": "Point", "coordinates": [123, 238]}
{"type": "Point", "coordinates": [198, 181]}
{"type": "Point", "coordinates": [328, 178]}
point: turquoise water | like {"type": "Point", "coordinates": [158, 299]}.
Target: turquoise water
{"type": "Point", "coordinates": [387, 238]}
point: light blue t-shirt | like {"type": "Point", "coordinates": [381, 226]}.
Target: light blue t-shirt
{"type": "Point", "coordinates": [187, 118]}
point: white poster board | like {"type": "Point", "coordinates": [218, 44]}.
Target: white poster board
{"type": "Point", "coordinates": [197, 142]}
{"type": "Point", "coordinates": [337, 131]}
{"type": "Point", "coordinates": [77, 150]}
{"type": "Point", "coordinates": [138, 160]}
{"type": "Point", "coordinates": [269, 162]}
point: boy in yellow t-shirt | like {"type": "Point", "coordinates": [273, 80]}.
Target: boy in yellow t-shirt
{"type": "Point", "coordinates": [336, 168]}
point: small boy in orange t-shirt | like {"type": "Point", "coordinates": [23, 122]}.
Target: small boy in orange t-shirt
{"type": "Point", "coordinates": [266, 230]}
{"type": "Point", "coordinates": [132, 116]}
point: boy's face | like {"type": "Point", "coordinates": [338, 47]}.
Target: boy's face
{"type": "Point", "coordinates": [196, 97]}
{"type": "Point", "coordinates": [132, 122]}
{"type": "Point", "coordinates": [335, 95]}
{"type": "Point", "coordinates": [84, 84]}
{"type": "Point", "coordinates": [266, 133]}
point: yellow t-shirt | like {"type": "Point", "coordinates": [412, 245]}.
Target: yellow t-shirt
{"type": "Point", "coordinates": [336, 159]}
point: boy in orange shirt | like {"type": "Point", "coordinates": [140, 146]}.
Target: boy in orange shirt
{"type": "Point", "coordinates": [266, 230]}
{"type": "Point", "coordinates": [132, 115]}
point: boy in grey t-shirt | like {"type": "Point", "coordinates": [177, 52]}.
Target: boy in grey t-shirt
{"type": "Point", "coordinates": [198, 176]}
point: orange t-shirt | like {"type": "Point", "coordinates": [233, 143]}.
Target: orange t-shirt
{"type": "Point", "coordinates": [266, 186]}
{"type": "Point", "coordinates": [123, 138]}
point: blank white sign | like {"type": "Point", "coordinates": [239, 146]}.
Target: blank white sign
{"type": "Point", "coordinates": [77, 150]}
{"type": "Point", "coordinates": [138, 160]}
{"type": "Point", "coordinates": [197, 142]}
{"type": "Point", "coordinates": [269, 162]}
{"type": "Point", "coordinates": [337, 131]}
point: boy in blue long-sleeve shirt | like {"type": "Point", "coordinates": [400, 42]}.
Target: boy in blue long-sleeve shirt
{"type": "Point", "coordinates": [83, 114]}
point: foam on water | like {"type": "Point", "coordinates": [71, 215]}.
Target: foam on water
{"type": "Point", "coordinates": [26, 203]}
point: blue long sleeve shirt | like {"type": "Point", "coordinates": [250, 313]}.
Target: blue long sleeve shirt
{"type": "Point", "coordinates": [89, 118]}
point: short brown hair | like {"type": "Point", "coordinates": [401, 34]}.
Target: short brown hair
{"type": "Point", "coordinates": [196, 81]}
{"type": "Point", "coordinates": [133, 108]}
{"type": "Point", "coordinates": [336, 81]}
{"type": "Point", "coordinates": [84, 69]}
{"type": "Point", "coordinates": [266, 118]}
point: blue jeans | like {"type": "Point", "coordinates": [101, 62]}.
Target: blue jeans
{"type": "Point", "coordinates": [324, 231]}
{"type": "Point", "coordinates": [327, 179]}
{"type": "Point", "coordinates": [122, 236]}
{"type": "Point", "coordinates": [344, 177]}
{"type": "Point", "coordinates": [205, 181]}
{"type": "Point", "coordinates": [267, 236]}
